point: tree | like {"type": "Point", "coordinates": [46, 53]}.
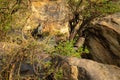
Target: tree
{"type": "Point", "coordinates": [87, 10]}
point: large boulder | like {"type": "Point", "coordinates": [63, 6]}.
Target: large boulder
{"type": "Point", "coordinates": [72, 69]}
{"type": "Point", "coordinates": [83, 69]}
{"type": "Point", "coordinates": [49, 18]}
{"type": "Point", "coordinates": [103, 39]}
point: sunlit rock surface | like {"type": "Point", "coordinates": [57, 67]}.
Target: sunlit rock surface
{"type": "Point", "coordinates": [83, 69]}
{"type": "Point", "coordinates": [50, 17]}
{"type": "Point", "coordinates": [104, 39]}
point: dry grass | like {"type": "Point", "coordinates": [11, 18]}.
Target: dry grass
{"type": "Point", "coordinates": [29, 52]}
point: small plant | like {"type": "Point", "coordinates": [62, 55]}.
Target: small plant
{"type": "Point", "coordinates": [67, 49]}
{"type": "Point", "coordinates": [83, 50]}
{"type": "Point", "coordinates": [59, 75]}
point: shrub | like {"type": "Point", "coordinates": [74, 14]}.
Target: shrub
{"type": "Point", "coordinates": [67, 49]}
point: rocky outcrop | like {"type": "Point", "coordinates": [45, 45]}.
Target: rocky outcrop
{"type": "Point", "coordinates": [91, 70]}
{"type": "Point", "coordinates": [103, 39]}
{"type": "Point", "coordinates": [49, 18]}
{"type": "Point", "coordinates": [77, 69]}
{"type": "Point", "coordinates": [45, 66]}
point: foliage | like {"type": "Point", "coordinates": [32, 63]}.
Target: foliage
{"type": "Point", "coordinates": [83, 50]}
{"type": "Point", "coordinates": [59, 75]}
{"type": "Point", "coordinates": [11, 62]}
{"type": "Point", "coordinates": [27, 53]}
{"type": "Point", "coordinates": [85, 11]}
{"type": "Point", "coordinates": [67, 49]}
{"type": "Point", "coordinates": [10, 13]}
{"type": "Point", "coordinates": [98, 7]}
{"type": "Point", "coordinates": [6, 14]}
{"type": "Point", "coordinates": [94, 9]}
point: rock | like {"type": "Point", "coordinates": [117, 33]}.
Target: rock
{"type": "Point", "coordinates": [26, 69]}
{"type": "Point", "coordinates": [96, 71]}
{"type": "Point", "coordinates": [51, 16]}
{"type": "Point", "coordinates": [72, 69]}
{"type": "Point", "coordinates": [80, 42]}
{"type": "Point", "coordinates": [83, 69]}
{"type": "Point", "coordinates": [38, 67]}
{"type": "Point", "coordinates": [103, 39]}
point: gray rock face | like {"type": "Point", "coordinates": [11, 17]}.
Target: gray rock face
{"type": "Point", "coordinates": [97, 71]}
{"type": "Point", "coordinates": [83, 69]}
{"type": "Point", "coordinates": [104, 39]}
